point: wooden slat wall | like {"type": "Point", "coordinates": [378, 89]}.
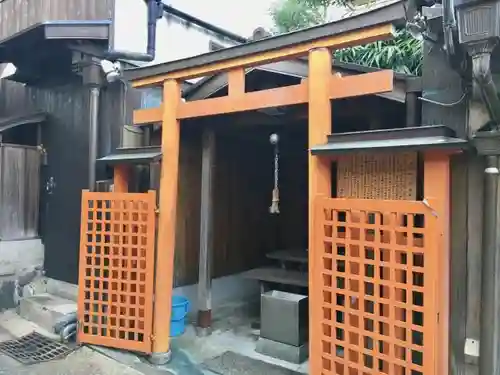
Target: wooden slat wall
{"type": "Point", "coordinates": [188, 209]}
{"type": "Point", "coordinates": [18, 15]}
{"type": "Point", "coordinates": [188, 206]}
{"type": "Point", "coordinates": [65, 136]}
{"type": "Point", "coordinates": [244, 231]}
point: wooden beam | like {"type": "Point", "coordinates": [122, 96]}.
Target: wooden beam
{"type": "Point", "coordinates": [349, 39]}
{"type": "Point", "coordinates": [338, 87]}
{"type": "Point", "coordinates": [437, 194]}
{"type": "Point", "coordinates": [361, 84]}
{"type": "Point", "coordinates": [236, 82]}
{"type": "Point", "coordinates": [165, 245]}
{"type": "Point", "coordinates": [148, 116]}
{"type": "Point", "coordinates": [320, 126]}
{"type": "Point", "coordinates": [277, 97]}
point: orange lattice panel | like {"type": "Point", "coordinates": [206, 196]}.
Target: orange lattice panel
{"type": "Point", "coordinates": [115, 301]}
{"type": "Point", "coordinates": [375, 285]}
{"type": "Point", "coordinates": [377, 176]}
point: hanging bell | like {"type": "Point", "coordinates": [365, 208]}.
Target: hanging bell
{"type": "Point", "coordinates": [275, 209]}
{"type": "Point", "coordinates": [275, 205]}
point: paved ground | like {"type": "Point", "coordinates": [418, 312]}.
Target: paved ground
{"type": "Point", "coordinates": [83, 361]}
{"type": "Point", "coordinates": [189, 352]}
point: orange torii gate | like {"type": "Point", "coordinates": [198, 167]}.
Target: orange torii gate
{"type": "Point", "coordinates": [318, 90]}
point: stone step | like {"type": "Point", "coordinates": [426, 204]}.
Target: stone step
{"type": "Point", "coordinates": [61, 289]}
{"type": "Point", "coordinates": [11, 324]}
{"type": "Point", "coordinates": [45, 309]}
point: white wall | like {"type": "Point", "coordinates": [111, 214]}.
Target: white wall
{"type": "Point", "coordinates": [175, 40]}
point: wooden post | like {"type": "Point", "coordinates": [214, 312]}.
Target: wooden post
{"type": "Point", "coordinates": [236, 82]}
{"type": "Point", "coordinates": [319, 127]}
{"type": "Point", "coordinates": [206, 230]}
{"type": "Point", "coordinates": [437, 194]}
{"type": "Point", "coordinates": [120, 178]}
{"type": "Point", "coordinates": [165, 245]}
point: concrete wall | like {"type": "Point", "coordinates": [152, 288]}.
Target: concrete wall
{"type": "Point", "coordinates": [18, 259]}
{"type": "Point", "coordinates": [228, 293]}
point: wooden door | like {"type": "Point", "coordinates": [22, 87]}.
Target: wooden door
{"type": "Point", "coordinates": [116, 280]}
{"type": "Point", "coordinates": [374, 274]}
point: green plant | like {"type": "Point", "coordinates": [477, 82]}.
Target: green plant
{"type": "Point", "coordinates": [291, 15]}
{"type": "Point", "coordinates": [402, 54]}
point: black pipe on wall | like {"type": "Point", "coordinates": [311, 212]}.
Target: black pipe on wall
{"type": "Point", "coordinates": [489, 348]}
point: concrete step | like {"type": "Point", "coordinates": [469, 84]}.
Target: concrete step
{"type": "Point", "coordinates": [61, 289]}
{"type": "Point", "coordinates": [45, 309]}
{"type": "Point", "coordinates": [14, 325]}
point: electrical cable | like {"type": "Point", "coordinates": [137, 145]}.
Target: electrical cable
{"type": "Point", "coordinates": [444, 104]}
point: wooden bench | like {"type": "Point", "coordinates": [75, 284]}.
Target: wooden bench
{"type": "Point", "coordinates": [269, 275]}
{"type": "Point", "coordinates": [296, 256]}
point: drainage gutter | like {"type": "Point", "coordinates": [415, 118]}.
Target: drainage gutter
{"type": "Point", "coordinates": [155, 12]}
{"type": "Point", "coordinates": [481, 73]}
{"type": "Point", "coordinates": [487, 144]}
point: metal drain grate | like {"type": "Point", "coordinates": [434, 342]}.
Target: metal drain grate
{"type": "Point", "coordinates": [34, 348]}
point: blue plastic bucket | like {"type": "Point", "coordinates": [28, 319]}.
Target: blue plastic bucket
{"type": "Point", "coordinates": [180, 309]}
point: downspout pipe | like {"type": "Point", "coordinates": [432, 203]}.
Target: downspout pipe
{"type": "Point", "coordinates": [155, 12]}
{"type": "Point", "coordinates": [449, 28]}
{"type": "Point", "coordinates": [489, 348]}
{"type": "Point", "coordinates": [481, 73]}
{"type": "Point", "coordinates": [94, 95]}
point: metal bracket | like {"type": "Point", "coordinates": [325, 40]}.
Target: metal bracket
{"type": "Point", "coordinates": [425, 202]}
{"type": "Point", "coordinates": [471, 351]}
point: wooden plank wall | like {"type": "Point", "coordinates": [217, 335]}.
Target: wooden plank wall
{"type": "Point", "coordinates": [244, 231]}
{"type": "Point", "coordinates": [65, 136]}
{"type": "Point", "coordinates": [18, 15]}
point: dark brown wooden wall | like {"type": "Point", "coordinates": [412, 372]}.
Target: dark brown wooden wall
{"type": "Point", "coordinates": [65, 136]}
{"type": "Point", "coordinates": [244, 231]}
{"type": "Point", "coordinates": [18, 15]}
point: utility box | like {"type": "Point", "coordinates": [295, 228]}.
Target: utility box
{"type": "Point", "coordinates": [284, 317]}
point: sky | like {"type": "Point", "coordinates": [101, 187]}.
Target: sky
{"type": "Point", "coordinates": [239, 16]}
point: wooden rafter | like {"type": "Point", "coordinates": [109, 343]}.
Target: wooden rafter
{"type": "Point", "coordinates": [348, 39]}
{"type": "Point", "coordinates": [238, 101]}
